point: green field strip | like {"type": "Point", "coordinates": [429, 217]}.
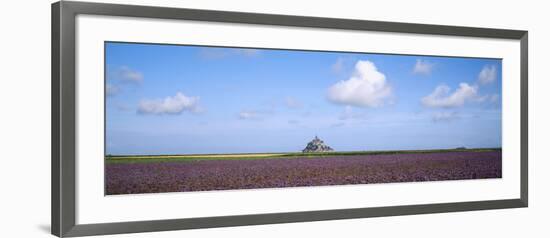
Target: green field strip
{"type": "Point", "coordinates": [113, 159]}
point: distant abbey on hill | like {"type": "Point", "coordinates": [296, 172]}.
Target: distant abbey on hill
{"type": "Point", "coordinates": [316, 145]}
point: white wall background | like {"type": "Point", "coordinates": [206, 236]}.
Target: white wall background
{"type": "Point", "coordinates": [25, 120]}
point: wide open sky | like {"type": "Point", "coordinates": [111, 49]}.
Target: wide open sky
{"type": "Point", "coordinates": [168, 99]}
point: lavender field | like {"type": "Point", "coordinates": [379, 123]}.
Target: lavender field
{"type": "Point", "coordinates": [150, 176]}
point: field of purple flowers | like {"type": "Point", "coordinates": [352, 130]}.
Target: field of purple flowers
{"type": "Point", "coordinates": [155, 177]}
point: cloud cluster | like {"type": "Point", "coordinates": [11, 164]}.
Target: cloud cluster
{"type": "Point", "coordinates": [487, 75]}
{"type": "Point", "coordinates": [442, 96]}
{"type": "Point", "coordinates": [126, 74]}
{"type": "Point", "coordinates": [423, 67]}
{"type": "Point", "coordinates": [367, 87]}
{"type": "Point", "coordinates": [119, 78]}
{"type": "Point", "coordinates": [170, 105]}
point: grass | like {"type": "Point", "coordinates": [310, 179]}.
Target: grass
{"type": "Point", "coordinates": [111, 159]}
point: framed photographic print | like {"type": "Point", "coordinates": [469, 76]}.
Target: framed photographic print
{"type": "Point", "coordinates": [163, 116]}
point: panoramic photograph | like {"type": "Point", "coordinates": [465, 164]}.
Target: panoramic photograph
{"type": "Point", "coordinates": [183, 118]}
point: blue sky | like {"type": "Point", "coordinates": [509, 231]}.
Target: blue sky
{"type": "Point", "coordinates": [169, 99]}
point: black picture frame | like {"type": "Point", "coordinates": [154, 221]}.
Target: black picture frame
{"type": "Point", "coordinates": [64, 107]}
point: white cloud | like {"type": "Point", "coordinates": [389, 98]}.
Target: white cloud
{"type": "Point", "coordinates": [169, 105]}
{"type": "Point", "coordinates": [119, 78]}
{"type": "Point", "coordinates": [367, 87]}
{"type": "Point", "coordinates": [445, 116]}
{"type": "Point", "coordinates": [111, 90]}
{"type": "Point", "coordinates": [126, 74]}
{"type": "Point", "coordinates": [293, 103]}
{"type": "Point", "coordinates": [423, 67]}
{"type": "Point", "coordinates": [249, 115]}
{"type": "Point", "coordinates": [441, 96]}
{"type": "Point", "coordinates": [488, 74]}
